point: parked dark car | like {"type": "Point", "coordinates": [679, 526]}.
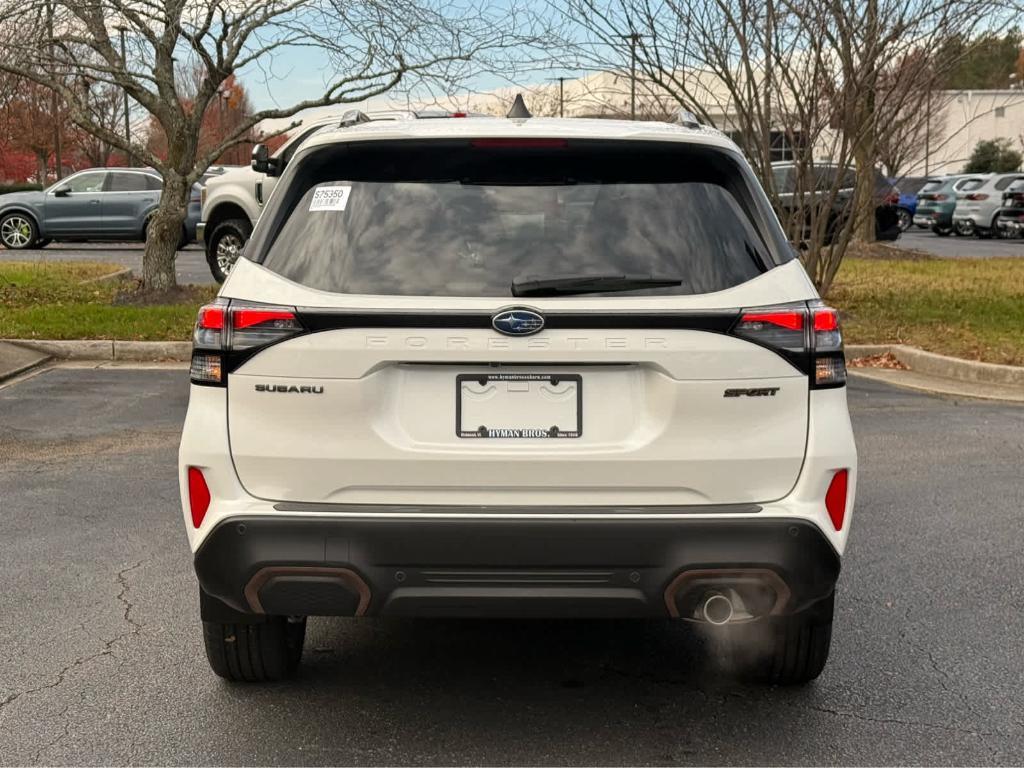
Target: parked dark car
{"type": "Point", "coordinates": [112, 204]}
{"type": "Point", "coordinates": [1010, 219]}
{"type": "Point", "coordinates": [887, 221]}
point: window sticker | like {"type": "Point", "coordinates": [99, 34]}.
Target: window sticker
{"type": "Point", "coordinates": [330, 198]}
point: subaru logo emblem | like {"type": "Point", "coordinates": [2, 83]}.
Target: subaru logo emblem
{"type": "Point", "coordinates": [517, 322]}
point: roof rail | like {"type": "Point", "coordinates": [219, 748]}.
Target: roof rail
{"type": "Point", "coordinates": [687, 119]}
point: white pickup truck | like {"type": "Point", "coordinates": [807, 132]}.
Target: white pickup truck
{"type": "Point", "coordinates": [233, 200]}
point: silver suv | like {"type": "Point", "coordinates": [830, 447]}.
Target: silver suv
{"type": "Point", "coordinates": [978, 202]}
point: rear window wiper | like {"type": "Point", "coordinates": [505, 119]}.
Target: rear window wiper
{"type": "Point", "coordinates": [576, 284]}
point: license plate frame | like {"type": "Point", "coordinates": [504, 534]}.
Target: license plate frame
{"type": "Point", "coordinates": [482, 432]}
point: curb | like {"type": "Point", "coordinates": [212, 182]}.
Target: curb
{"type": "Point", "coordinates": [932, 364]}
{"type": "Point", "coordinates": [107, 349]}
{"type": "Point", "coordinates": [15, 360]}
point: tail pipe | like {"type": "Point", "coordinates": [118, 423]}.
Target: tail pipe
{"type": "Point", "coordinates": [717, 609]}
{"type": "Point", "coordinates": [727, 595]}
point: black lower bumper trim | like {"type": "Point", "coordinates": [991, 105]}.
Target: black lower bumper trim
{"type": "Point", "coordinates": [497, 567]}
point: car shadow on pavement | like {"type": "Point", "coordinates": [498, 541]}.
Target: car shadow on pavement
{"type": "Point", "coordinates": [456, 654]}
{"type": "Point", "coordinates": [504, 691]}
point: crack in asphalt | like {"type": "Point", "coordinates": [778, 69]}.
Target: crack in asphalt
{"type": "Point", "coordinates": [108, 645]}
{"type": "Point", "coordinates": [723, 697]}
{"type": "Point", "coordinates": [943, 679]}
{"type": "Point", "coordinates": [60, 738]}
{"type": "Point", "coordinates": [980, 735]}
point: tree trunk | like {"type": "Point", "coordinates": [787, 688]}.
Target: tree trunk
{"type": "Point", "coordinates": [164, 234]}
{"type": "Point", "coordinates": [41, 158]}
{"type": "Point", "coordinates": [865, 150]}
{"type": "Point", "coordinates": [864, 198]}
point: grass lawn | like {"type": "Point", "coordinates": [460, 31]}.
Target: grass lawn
{"type": "Point", "coordinates": [969, 308]}
{"type": "Point", "coordinates": [50, 301]}
{"type": "Point", "coordinates": [964, 307]}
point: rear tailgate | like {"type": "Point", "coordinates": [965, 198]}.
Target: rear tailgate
{"type": "Point", "coordinates": [397, 256]}
{"type": "Point", "coordinates": [368, 414]}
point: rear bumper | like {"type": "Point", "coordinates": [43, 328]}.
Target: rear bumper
{"type": "Point", "coordinates": [1011, 223]}
{"type": "Point", "coordinates": [974, 219]}
{"type": "Point", "coordinates": [201, 232]}
{"type": "Point", "coordinates": [477, 566]}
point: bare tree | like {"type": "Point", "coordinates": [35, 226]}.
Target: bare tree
{"type": "Point", "coordinates": [364, 48]}
{"type": "Point", "coordinates": [106, 109]}
{"type": "Point", "coordinates": [801, 80]}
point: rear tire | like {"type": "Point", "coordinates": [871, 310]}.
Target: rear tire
{"type": "Point", "coordinates": [965, 229]}
{"type": "Point", "coordinates": [785, 650]}
{"type": "Point", "coordinates": [255, 653]}
{"type": "Point", "coordinates": [905, 219]}
{"type": "Point", "coordinates": [224, 246]}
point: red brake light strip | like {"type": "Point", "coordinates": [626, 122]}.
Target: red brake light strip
{"type": "Point", "coordinates": [246, 318]}
{"type": "Point", "coordinates": [793, 321]}
{"type": "Point", "coordinates": [826, 320]}
{"type": "Point", "coordinates": [211, 318]}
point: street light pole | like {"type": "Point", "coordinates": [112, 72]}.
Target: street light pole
{"type": "Point", "coordinates": [561, 95]}
{"type": "Point", "coordinates": [633, 38]}
{"type": "Point", "coordinates": [928, 130]}
{"type": "Point", "coordinates": [58, 161]}
{"type": "Point", "coordinates": [127, 124]}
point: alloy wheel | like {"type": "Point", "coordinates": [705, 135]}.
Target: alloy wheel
{"type": "Point", "coordinates": [16, 232]}
{"type": "Point", "coordinates": [228, 249]}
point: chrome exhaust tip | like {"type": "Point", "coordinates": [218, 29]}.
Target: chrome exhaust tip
{"type": "Point", "coordinates": [717, 609]}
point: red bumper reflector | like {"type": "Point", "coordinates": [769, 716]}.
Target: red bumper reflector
{"type": "Point", "coordinates": [835, 498]}
{"type": "Point", "coordinates": [198, 495]}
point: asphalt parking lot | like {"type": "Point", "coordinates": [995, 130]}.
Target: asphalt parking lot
{"type": "Point", "coordinates": [954, 247]}
{"type": "Point", "coordinates": [102, 661]}
{"type": "Point", "coordinates": [190, 265]}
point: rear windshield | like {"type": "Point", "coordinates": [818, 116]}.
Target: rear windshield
{"type": "Point", "coordinates": [469, 218]}
{"type": "Point", "coordinates": [933, 186]}
{"type": "Point", "coordinates": [971, 184]}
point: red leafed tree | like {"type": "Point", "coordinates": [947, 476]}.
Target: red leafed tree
{"type": "Point", "coordinates": [28, 124]}
{"type": "Point", "coordinates": [222, 119]}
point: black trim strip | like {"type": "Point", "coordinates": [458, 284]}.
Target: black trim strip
{"type": "Point", "coordinates": [321, 320]}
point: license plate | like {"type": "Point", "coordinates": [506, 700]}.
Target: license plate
{"type": "Point", "coordinates": [511, 406]}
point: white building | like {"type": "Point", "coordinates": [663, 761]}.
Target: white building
{"type": "Point", "coordinates": [963, 118]}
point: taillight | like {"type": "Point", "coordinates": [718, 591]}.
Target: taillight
{"type": "Point", "coordinates": [893, 198]}
{"type": "Point", "coordinates": [198, 496]}
{"type": "Point", "coordinates": [941, 197]}
{"type": "Point", "coordinates": [808, 336]}
{"type": "Point", "coordinates": [835, 498]}
{"type": "Point", "coordinates": [226, 334]}
{"type": "Point", "coordinates": [779, 328]}
{"type": "Point", "coordinates": [977, 196]}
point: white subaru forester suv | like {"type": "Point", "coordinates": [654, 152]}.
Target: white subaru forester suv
{"type": "Point", "coordinates": [518, 367]}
